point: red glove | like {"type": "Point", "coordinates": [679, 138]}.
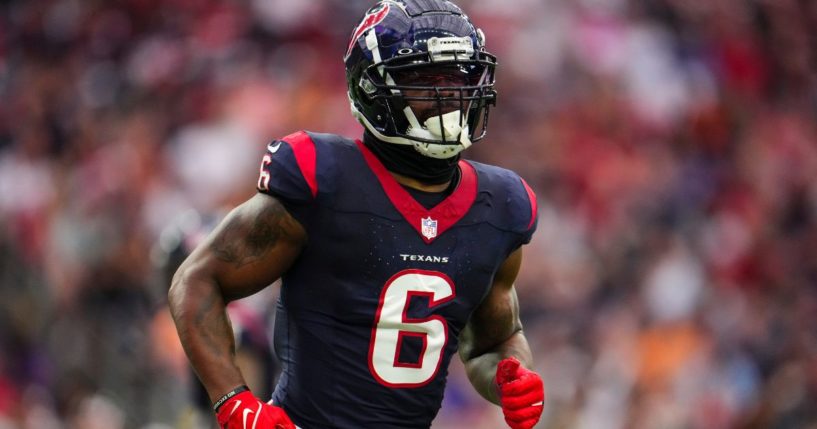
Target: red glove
{"type": "Point", "coordinates": [521, 393]}
{"type": "Point", "coordinates": [245, 411]}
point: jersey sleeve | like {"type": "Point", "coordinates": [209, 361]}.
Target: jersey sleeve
{"type": "Point", "coordinates": [531, 214]}
{"type": "Point", "coordinates": [288, 169]}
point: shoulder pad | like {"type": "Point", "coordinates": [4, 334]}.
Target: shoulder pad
{"type": "Point", "coordinates": [512, 200]}
{"type": "Point", "coordinates": [288, 169]}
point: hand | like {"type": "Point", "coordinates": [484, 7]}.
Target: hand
{"type": "Point", "coordinates": [521, 393]}
{"type": "Point", "coordinates": [245, 411]}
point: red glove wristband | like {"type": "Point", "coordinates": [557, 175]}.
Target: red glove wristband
{"type": "Point", "coordinates": [522, 394]}
{"type": "Point", "coordinates": [244, 411]}
{"type": "Point", "coordinates": [230, 394]}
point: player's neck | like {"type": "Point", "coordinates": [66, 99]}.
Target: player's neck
{"type": "Point", "coordinates": [416, 184]}
{"type": "Point", "coordinates": [410, 167]}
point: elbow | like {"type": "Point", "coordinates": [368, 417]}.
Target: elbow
{"type": "Point", "coordinates": [185, 287]}
{"type": "Point", "coordinates": [176, 285]}
{"type": "Point", "coordinates": [178, 290]}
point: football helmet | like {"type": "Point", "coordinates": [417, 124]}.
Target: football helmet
{"type": "Point", "coordinates": [418, 74]}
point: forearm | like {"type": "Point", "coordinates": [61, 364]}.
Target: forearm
{"type": "Point", "coordinates": [481, 369]}
{"type": "Point", "coordinates": [199, 311]}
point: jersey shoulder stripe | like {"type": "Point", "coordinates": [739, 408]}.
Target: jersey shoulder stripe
{"type": "Point", "coordinates": [304, 150]}
{"type": "Point", "coordinates": [532, 200]}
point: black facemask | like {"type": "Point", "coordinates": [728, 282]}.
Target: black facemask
{"type": "Point", "coordinates": [406, 161]}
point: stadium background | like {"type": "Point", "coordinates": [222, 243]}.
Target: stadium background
{"type": "Point", "coordinates": [672, 144]}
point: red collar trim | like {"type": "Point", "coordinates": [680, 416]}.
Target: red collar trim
{"type": "Point", "coordinates": [430, 224]}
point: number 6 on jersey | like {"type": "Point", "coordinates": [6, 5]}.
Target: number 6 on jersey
{"type": "Point", "coordinates": [392, 326]}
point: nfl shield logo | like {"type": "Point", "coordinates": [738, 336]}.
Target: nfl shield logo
{"type": "Point", "coordinates": [429, 229]}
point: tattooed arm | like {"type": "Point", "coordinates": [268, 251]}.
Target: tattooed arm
{"type": "Point", "coordinates": [494, 331]}
{"type": "Point", "coordinates": [251, 248]}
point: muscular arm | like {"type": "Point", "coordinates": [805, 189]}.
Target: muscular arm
{"type": "Point", "coordinates": [251, 248]}
{"type": "Point", "coordinates": [494, 331]}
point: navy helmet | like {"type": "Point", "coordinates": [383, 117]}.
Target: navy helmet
{"type": "Point", "coordinates": [418, 74]}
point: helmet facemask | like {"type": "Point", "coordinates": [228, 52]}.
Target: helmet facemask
{"type": "Point", "coordinates": [437, 99]}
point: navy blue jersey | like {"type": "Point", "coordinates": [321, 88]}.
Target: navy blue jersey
{"type": "Point", "coordinates": [371, 312]}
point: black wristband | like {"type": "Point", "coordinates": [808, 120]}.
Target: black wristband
{"type": "Point", "coordinates": [230, 394]}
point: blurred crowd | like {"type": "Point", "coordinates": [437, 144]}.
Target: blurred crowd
{"type": "Point", "coordinates": [672, 145]}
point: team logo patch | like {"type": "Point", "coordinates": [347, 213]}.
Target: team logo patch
{"type": "Point", "coordinates": [429, 227]}
{"type": "Point", "coordinates": [375, 16]}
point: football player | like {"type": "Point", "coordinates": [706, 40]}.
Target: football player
{"type": "Point", "coordinates": [394, 253]}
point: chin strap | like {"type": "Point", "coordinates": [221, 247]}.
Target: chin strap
{"type": "Point", "coordinates": [452, 130]}
{"type": "Point", "coordinates": [429, 150]}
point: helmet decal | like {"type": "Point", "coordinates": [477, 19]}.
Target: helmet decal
{"type": "Point", "coordinates": [374, 16]}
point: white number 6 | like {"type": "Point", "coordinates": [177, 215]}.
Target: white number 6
{"type": "Point", "coordinates": [263, 177]}
{"type": "Point", "coordinates": [392, 325]}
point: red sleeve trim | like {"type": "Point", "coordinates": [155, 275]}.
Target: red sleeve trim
{"type": "Point", "coordinates": [533, 206]}
{"type": "Point", "coordinates": [304, 149]}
